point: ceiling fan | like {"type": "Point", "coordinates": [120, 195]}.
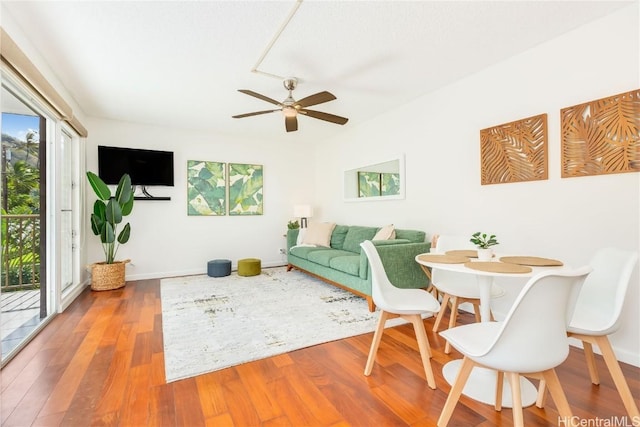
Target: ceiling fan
{"type": "Point", "coordinates": [291, 108]}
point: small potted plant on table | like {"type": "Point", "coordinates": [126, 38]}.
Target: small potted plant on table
{"type": "Point", "coordinates": [105, 219]}
{"type": "Point", "coordinates": [484, 242]}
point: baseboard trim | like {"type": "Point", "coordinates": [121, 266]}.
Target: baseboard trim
{"type": "Point", "coordinates": [190, 272]}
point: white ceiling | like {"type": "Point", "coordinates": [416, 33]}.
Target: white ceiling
{"type": "Point", "coordinates": [180, 63]}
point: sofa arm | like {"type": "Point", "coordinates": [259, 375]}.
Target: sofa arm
{"type": "Point", "coordinates": [400, 264]}
{"type": "Point", "coordinates": [292, 238]}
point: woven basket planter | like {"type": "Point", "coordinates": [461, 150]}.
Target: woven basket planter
{"type": "Point", "coordinates": [107, 277]}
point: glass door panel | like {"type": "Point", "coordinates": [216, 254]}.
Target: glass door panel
{"type": "Point", "coordinates": [23, 289]}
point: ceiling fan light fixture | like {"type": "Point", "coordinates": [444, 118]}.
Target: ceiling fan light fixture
{"type": "Point", "coordinates": [289, 111]}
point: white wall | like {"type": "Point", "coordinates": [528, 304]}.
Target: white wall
{"type": "Point", "coordinates": [566, 219]}
{"type": "Point", "coordinates": [165, 241]}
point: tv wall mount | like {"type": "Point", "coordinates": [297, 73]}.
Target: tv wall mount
{"type": "Point", "coordinates": [147, 195]}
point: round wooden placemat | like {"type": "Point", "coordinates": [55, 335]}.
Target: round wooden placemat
{"type": "Point", "coordinates": [443, 259]}
{"type": "Point", "coordinates": [470, 253]}
{"type": "Point", "coordinates": [497, 267]}
{"type": "Point", "coordinates": [532, 260]}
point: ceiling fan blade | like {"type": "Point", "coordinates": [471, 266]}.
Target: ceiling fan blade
{"type": "Point", "coordinates": [239, 116]}
{"type": "Point", "coordinates": [315, 99]}
{"type": "Point", "coordinates": [259, 96]}
{"type": "Point", "coordinates": [325, 116]}
{"type": "Point", "coordinates": [291, 123]}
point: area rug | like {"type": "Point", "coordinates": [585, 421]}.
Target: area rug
{"type": "Point", "coordinates": [214, 323]}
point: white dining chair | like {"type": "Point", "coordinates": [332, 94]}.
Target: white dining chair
{"type": "Point", "coordinates": [531, 341]}
{"type": "Point", "coordinates": [597, 315]}
{"type": "Point", "coordinates": [408, 304]}
{"type": "Point", "coordinates": [456, 288]}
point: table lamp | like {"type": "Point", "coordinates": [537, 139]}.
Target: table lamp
{"type": "Point", "coordinates": [303, 212]}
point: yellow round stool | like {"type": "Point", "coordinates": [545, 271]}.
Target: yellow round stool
{"type": "Point", "coordinates": [249, 267]}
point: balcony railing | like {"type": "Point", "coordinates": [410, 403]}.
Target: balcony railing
{"type": "Point", "coordinates": [20, 252]}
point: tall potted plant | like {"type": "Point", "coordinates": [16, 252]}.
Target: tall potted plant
{"type": "Point", "coordinates": [106, 219]}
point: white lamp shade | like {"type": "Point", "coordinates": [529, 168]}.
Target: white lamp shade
{"type": "Point", "coordinates": [302, 211]}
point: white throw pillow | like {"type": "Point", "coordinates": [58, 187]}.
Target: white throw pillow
{"type": "Point", "coordinates": [387, 232]}
{"type": "Point", "coordinates": [300, 236]}
{"type": "Point", "coordinates": [319, 234]}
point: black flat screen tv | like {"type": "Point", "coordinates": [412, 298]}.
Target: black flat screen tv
{"type": "Point", "coordinates": [145, 167]}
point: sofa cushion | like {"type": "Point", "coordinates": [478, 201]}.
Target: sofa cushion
{"type": "Point", "coordinates": [325, 257]}
{"type": "Point", "coordinates": [385, 233]}
{"type": "Point", "coordinates": [338, 235]}
{"type": "Point", "coordinates": [319, 233]}
{"type": "Point", "coordinates": [357, 235]}
{"type": "Point", "coordinates": [304, 251]}
{"type": "Point", "coordinates": [349, 264]}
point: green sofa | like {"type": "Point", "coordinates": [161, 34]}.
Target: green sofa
{"type": "Point", "coordinates": [345, 265]}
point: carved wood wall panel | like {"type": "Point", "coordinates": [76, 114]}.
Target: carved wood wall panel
{"type": "Point", "coordinates": [514, 152]}
{"type": "Point", "coordinates": [601, 136]}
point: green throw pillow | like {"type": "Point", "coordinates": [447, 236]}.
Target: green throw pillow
{"type": "Point", "coordinates": [357, 235]}
{"type": "Point", "coordinates": [338, 236]}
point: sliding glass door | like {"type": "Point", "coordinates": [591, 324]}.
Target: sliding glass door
{"type": "Point", "coordinates": [39, 268]}
{"type": "Point", "coordinates": [23, 291]}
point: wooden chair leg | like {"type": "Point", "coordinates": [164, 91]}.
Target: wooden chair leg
{"type": "Point", "coordinates": [456, 390]}
{"type": "Point", "coordinates": [377, 336]}
{"type": "Point", "coordinates": [452, 320]}
{"type": "Point", "coordinates": [423, 346]}
{"type": "Point", "coordinates": [432, 289]}
{"type": "Point", "coordinates": [616, 373]}
{"type": "Point", "coordinates": [542, 392]}
{"type": "Point", "coordinates": [443, 307]}
{"type": "Point", "coordinates": [516, 397]}
{"type": "Point", "coordinates": [591, 362]}
{"type": "Point", "coordinates": [499, 386]}
{"type": "Point", "coordinates": [557, 394]}
{"type": "Point", "coordinates": [476, 311]}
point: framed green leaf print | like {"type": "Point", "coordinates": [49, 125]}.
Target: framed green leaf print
{"type": "Point", "coordinates": [245, 189]}
{"type": "Point", "coordinates": [206, 188]}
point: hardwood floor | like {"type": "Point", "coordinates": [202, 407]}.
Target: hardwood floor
{"type": "Point", "coordinates": [101, 363]}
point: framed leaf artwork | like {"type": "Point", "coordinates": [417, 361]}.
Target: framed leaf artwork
{"type": "Point", "coordinates": [245, 189]}
{"type": "Point", "coordinates": [601, 136]}
{"type": "Point", "coordinates": [515, 151]}
{"type": "Point", "coordinates": [206, 188]}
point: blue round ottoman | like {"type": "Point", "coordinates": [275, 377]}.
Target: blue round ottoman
{"type": "Point", "coordinates": [219, 268]}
